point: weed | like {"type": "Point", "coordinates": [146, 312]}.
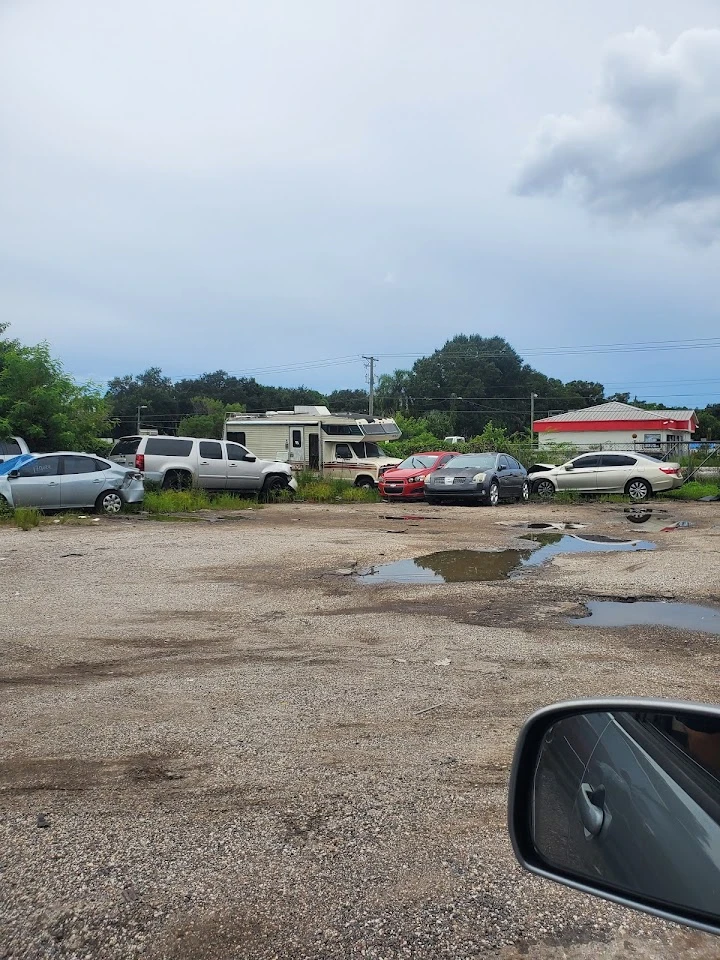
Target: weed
{"type": "Point", "coordinates": [694, 490]}
{"type": "Point", "coordinates": [27, 517]}
{"type": "Point", "coordinates": [188, 501]}
{"type": "Point", "coordinates": [318, 490]}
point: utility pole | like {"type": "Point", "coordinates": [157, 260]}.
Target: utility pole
{"type": "Point", "coordinates": [141, 406]}
{"type": "Point", "coordinates": [533, 398]}
{"type": "Point", "coordinates": [371, 402]}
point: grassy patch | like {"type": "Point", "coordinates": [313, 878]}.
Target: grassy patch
{"type": "Point", "coordinates": [318, 490]}
{"type": "Point", "coordinates": [27, 517]}
{"type": "Point", "coordinates": [694, 490]}
{"type": "Point", "coordinates": [188, 501]}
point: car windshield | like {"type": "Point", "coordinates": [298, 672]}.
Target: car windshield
{"type": "Point", "coordinates": [416, 462]}
{"type": "Point", "coordinates": [480, 461]}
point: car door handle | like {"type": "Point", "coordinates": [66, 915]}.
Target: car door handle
{"type": "Point", "coordinates": [53, 483]}
{"type": "Point", "coordinates": [203, 463]}
{"type": "Point", "coordinates": [232, 464]}
{"type": "Point", "coordinates": [99, 480]}
{"type": "Point", "coordinates": [591, 805]}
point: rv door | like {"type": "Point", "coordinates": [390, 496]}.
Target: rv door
{"type": "Point", "coordinates": [296, 445]}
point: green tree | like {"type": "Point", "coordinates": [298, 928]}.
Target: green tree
{"type": "Point", "coordinates": [208, 418]}
{"type": "Point", "coordinates": [150, 389]}
{"type": "Point", "coordinates": [45, 406]}
{"type": "Point", "coordinates": [351, 401]}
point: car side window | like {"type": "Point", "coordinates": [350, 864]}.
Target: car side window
{"type": "Point", "coordinates": [586, 462]}
{"type": "Point", "coordinates": [343, 451]}
{"type": "Point", "coordinates": [9, 448]}
{"type": "Point", "coordinates": [42, 467]}
{"type": "Point", "coordinates": [168, 447]}
{"type": "Point", "coordinates": [211, 450]}
{"type": "Point", "coordinates": [75, 465]}
{"type": "Point", "coordinates": [504, 462]}
{"type": "Point", "coordinates": [514, 463]}
{"type": "Point", "coordinates": [101, 465]}
{"type": "Point", "coordinates": [236, 452]}
{"type": "Point", "coordinates": [617, 460]}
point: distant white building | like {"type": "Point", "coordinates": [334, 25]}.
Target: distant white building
{"type": "Point", "coordinates": [618, 424]}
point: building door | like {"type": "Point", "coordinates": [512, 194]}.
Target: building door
{"type": "Point", "coordinates": [296, 446]}
{"type": "Point", "coordinates": [314, 451]}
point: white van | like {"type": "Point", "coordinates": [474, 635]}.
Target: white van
{"type": "Point", "coordinates": [177, 463]}
{"type": "Point", "coordinates": [311, 438]}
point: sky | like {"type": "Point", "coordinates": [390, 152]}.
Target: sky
{"type": "Point", "coordinates": [266, 187]}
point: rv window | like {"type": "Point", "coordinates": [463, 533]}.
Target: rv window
{"type": "Point", "coordinates": [342, 429]}
{"type": "Point", "coordinates": [380, 428]}
{"type": "Point", "coordinates": [343, 451]}
{"type": "Point", "coordinates": [368, 450]}
{"type": "Point", "coordinates": [297, 438]}
{"type": "Point", "coordinates": [237, 435]}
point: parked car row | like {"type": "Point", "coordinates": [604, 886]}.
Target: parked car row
{"type": "Point", "coordinates": [439, 476]}
{"type": "Point", "coordinates": [67, 479]}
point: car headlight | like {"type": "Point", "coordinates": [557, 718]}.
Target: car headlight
{"type": "Point", "coordinates": [479, 477]}
{"type": "Point", "coordinates": [414, 479]}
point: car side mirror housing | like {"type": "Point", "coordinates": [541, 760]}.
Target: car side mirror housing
{"type": "Point", "coordinates": [13, 475]}
{"type": "Point", "coordinates": [621, 799]}
{"type": "Point", "coordinates": [568, 466]}
{"type": "Point", "coordinates": [250, 457]}
{"type": "Point", "coordinates": [500, 467]}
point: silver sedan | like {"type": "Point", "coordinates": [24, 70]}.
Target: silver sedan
{"type": "Point", "coordinates": [634, 474]}
{"type": "Point", "coordinates": [67, 481]}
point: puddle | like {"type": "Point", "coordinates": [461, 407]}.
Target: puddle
{"type": "Point", "coordinates": [655, 613]}
{"type": "Point", "coordinates": [553, 544]}
{"type": "Point", "coordinates": [472, 566]}
{"type": "Point", "coordinates": [447, 566]}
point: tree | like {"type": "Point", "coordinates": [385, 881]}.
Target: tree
{"type": "Point", "coordinates": [45, 406]}
{"type": "Point", "coordinates": [149, 389]}
{"type": "Point", "coordinates": [348, 401]}
{"type": "Point", "coordinates": [208, 418]}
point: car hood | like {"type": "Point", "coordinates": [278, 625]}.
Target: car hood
{"type": "Point", "coordinates": [541, 467]}
{"type": "Point", "coordinates": [406, 474]}
{"type": "Point", "coordinates": [466, 473]}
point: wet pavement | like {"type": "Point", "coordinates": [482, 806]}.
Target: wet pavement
{"type": "Point", "coordinates": [657, 613]}
{"type": "Point", "coordinates": [467, 566]}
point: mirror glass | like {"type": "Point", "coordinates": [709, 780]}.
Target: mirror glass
{"type": "Point", "coordinates": [631, 801]}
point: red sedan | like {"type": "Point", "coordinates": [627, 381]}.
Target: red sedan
{"type": "Point", "coordinates": [406, 481]}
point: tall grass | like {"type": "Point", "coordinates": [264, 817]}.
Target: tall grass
{"type": "Point", "coordinates": [27, 517]}
{"type": "Point", "coordinates": [314, 489]}
{"type": "Point", "coordinates": [188, 501]}
{"type": "Point", "coordinates": [694, 490]}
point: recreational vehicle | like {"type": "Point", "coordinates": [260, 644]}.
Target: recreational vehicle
{"type": "Point", "coordinates": [312, 438]}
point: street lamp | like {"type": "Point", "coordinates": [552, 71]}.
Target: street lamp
{"type": "Point", "coordinates": [141, 406]}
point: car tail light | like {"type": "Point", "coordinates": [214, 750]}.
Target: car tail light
{"type": "Point", "coordinates": [671, 470]}
{"type": "Point", "coordinates": [139, 461]}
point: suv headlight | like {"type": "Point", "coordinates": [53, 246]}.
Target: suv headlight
{"type": "Point", "coordinates": [479, 477]}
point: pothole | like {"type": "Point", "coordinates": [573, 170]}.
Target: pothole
{"type": "Point", "coordinates": [655, 613]}
{"type": "Point", "coordinates": [468, 566]}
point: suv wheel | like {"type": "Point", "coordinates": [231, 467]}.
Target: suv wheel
{"type": "Point", "coordinates": [110, 503]}
{"type": "Point", "coordinates": [274, 486]}
{"type": "Point", "coordinates": [366, 482]}
{"type": "Point", "coordinates": [177, 480]}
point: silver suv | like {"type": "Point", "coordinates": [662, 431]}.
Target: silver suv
{"type": "Point", "coordinates": [181, 462]}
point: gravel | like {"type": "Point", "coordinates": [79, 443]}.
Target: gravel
{"type": "Point", "coordinates": [217, 743]}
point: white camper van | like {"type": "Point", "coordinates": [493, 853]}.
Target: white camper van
{"type": "Point", "coordinates": [312, 438]}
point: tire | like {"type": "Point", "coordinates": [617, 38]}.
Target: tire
{"type": "Point", "coordinates": [493, 497]}
{"type": "Point", "coordinates": [638, 490]}
{"type": "Point", "coordinates": [177, 480]}
{"type": "Point", "coordinates": [525, 495]}
{"type": "Point", "coordinates": [110, 503]}
{"type": "Point", "coordinates": [544, 489]}
{"type": "Point", "coordinates": [365, 482]}
{"type": "Point", "coordinates": [274, 485]}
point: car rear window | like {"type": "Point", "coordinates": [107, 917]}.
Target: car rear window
{"type": "Point", "coordinates": [125, 446]}
{"type": "Point", "coordinates": [168, 447]}
{"type": "Point", "coordinates": [9, 448]}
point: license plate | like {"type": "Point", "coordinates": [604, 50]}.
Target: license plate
{"type": "Point", "coordinates": [448, 481]}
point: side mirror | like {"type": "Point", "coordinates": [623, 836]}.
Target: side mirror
{"type": "Point", "coordinates": [568, 466]}
{"type": "Point", "coordinates": [250, 457]}
{"type": "Point", "coordinates": [501, 467]}
{"type": "Point", "coordinates": [621, 799]}
{"type": "Point", "coordinates": [13, 475]}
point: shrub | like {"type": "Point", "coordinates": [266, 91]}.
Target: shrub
{"type": "Point", "coordinates": [27, 517]}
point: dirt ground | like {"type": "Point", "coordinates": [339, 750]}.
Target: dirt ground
{"type": "Point", "coordinates": [236, 751]}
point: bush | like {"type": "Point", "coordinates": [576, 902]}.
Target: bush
{"type": "Point", "coordinates": [188, 501]}
{"type": "Point", "coordinates": [315, 489]}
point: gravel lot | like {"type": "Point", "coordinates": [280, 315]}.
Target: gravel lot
{"type": "Point", "coordinates": [232, 746]}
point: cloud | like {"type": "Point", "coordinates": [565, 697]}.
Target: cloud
{"type": "Point", "coordinates": [649, 147]}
